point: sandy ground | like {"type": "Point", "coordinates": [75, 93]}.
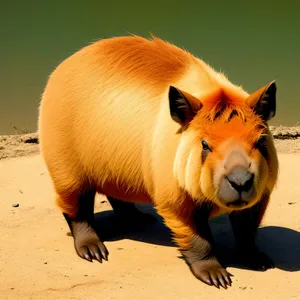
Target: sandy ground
{"type": "Point", "coordinates": [38, 261]}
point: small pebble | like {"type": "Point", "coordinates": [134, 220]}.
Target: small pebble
{"type": "Point", "coordinates": [45, 263]}
{"type": "Point", "coordinates": [15, 205]}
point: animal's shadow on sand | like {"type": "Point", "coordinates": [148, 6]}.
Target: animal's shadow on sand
{"type": "Point", "coordinates": [281, 244]}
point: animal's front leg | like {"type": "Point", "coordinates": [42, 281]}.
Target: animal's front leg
{"type": "Point", "coordinates": [196, 244]}
{"type": "Point", "coordinates": [244, 224]}
{"type": "Point", "coordinates": [202, 261]}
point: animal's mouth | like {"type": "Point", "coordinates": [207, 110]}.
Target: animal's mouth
{"type": "Point", "coordinates": [237, 203]}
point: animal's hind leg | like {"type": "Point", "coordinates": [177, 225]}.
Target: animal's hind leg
{"type": "Point", "coordinates": [128, 214]}
{"type": "Point", "coordinates": [79, 214]}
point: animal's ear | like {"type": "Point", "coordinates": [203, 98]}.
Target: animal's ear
{"type": "Point", "coordinates": [183, 106]}
{"type": "Point", "coordinates": [263, 101]}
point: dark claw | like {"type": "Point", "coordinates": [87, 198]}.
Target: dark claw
{"type": "Point", "coordinates": [222, 282]}
{"type": "Point", "coordinates": [95, 253]}
{"type": "Point", "coordinates": [87, 257]}
{"type": "Point", "coordinates": [226, 277]}
{"type": "Point", "coordinates": [214, 278]}
{"type": "Point", "coordinates": [104, 252]}
{"type": "Point", "coordinates": [84, 253]}
{"type": "Point", "coordinates": [216, 283]}
{"type": "Point", "coordinates": [208, 281]}
{"type": "Point", "coordinates": [97, 256]}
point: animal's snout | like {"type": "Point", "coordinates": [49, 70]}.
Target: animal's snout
{"type": "Point", "coordinates": [237, 188]}
{"type": "Point", "coordinates": [240, 179]}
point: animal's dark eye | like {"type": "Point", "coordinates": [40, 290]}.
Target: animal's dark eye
{"type": "Point", "coordinates": [205, 146]}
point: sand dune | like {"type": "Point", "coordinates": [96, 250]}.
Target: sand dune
{"type": "Point", "coordinates": [38, 261]}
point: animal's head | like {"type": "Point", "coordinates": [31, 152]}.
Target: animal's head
{"type": "Point", "coordinates": [226, 153]}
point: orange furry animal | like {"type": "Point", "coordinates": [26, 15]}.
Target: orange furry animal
{"type": "Point", "coordinates": [144, 121]}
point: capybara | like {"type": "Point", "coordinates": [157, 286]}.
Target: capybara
{"type": "Point", "coordinates": [142, 120]}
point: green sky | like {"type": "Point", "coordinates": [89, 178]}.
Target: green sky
{"type": "Point", "coordinates": [253, 42]}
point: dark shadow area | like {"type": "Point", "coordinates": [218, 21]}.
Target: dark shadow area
{"type": "Point", "coordinates": [110, 230]}
{"type": "Point", "coordinates": [281, 244]}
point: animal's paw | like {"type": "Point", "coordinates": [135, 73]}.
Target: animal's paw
{"type": "Point", "coordinates": [257, 260]}
{"type": "Point", "coordinates": [88, 246]}
{"type": "Point", "coordinates": [212, 273]}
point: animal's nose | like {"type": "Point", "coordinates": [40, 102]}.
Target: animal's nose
{"type": "Point", "coordinates": [240, 179]}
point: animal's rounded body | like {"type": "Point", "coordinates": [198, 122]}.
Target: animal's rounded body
{"type": "Point", "coordinates": [144, 121]}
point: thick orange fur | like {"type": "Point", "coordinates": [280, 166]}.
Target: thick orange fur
{"type": "Point", "coordinates": [105, 124]}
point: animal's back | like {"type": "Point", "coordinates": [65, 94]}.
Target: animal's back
{"type": "Point", "coordinates": [100, 110]}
